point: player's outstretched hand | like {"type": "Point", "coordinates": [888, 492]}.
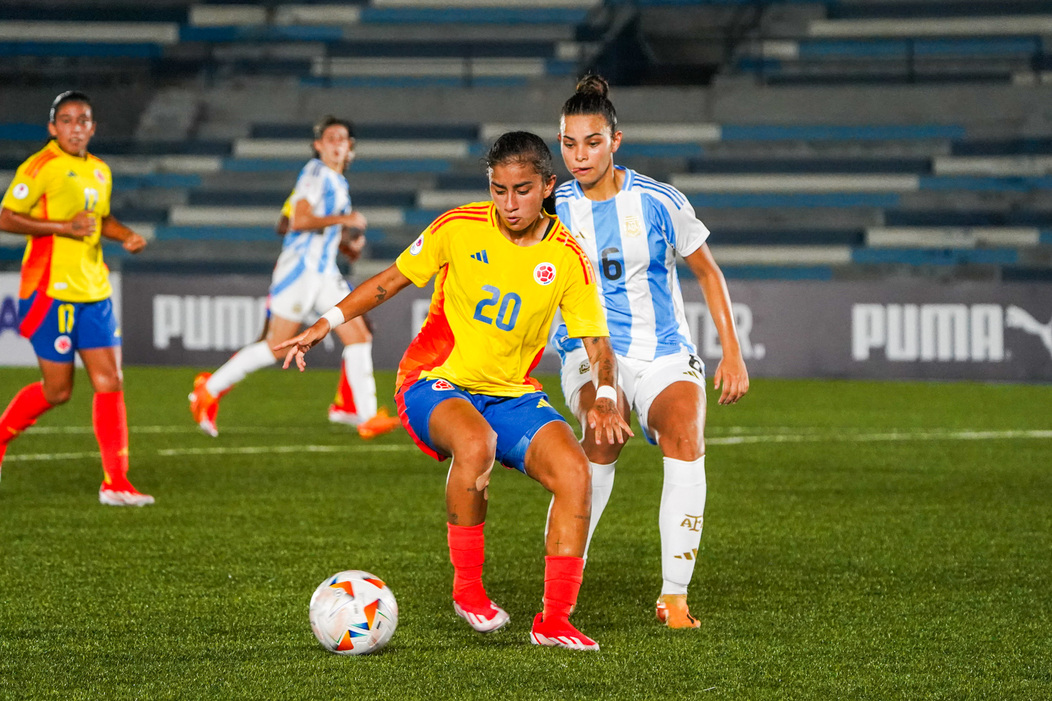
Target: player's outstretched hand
{"type": "Point", "coordinates": [732, 378]}
{"type": "Point", "coordinates": [606, 420]}
{"type": "Point", "coordinates": [299, 345]}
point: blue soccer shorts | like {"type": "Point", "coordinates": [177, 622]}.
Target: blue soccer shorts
{"type": "Point", "coordinates": [57, 329]}
{"type": "Point", "coordinates": [515, 420]}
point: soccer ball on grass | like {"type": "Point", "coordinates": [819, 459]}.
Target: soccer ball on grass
{"type": "Point", "coordinates": [353, 613]}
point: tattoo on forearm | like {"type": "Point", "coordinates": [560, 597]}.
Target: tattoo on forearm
{"type": "Point", "coordinates": [606, 369]}
{"type": "Point", "coordinates": [381, 293]}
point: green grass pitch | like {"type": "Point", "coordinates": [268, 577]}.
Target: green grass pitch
{"type": "Point", "coordinates": [863, 540]}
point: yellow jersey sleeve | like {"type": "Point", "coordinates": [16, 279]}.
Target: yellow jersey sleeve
{"type": "Point", "coordinates": [581, 308]}
{"type": "Point", "coordinates": [27, 187]}
{"type": "Point", "coordinates": [422, 260]}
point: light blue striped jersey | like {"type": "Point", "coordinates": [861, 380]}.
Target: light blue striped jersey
{"type": "Point", "coordinates": [314, 251]}
{"type": "Point", "coordinates": [632, 240]}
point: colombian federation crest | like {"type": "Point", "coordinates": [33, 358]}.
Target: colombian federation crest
{"type": "Point", "coordinates": [63, 344]}
{"type": "Point", "coordinates": [417, 246]}
{"type": "Point", "coordinates": [100, 176]}
{"type": "Point", "coordinates": [544, 273]}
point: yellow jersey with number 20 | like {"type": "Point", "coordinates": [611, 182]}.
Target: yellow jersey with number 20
{"type": "Point", "coordinates": [494, 301]}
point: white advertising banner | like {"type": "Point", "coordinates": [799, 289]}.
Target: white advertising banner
{"type": "Point", "coordinates": [15, 350]}
{"type": "Point", "coordinates": [914, 330]}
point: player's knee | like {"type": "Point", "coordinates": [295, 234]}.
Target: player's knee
{"type": "Point", "coordinates": [107, 382]}
{"type": "Point", "coordinates": [476, 452]}
{"type": "Point", "coordinates": [681, 444]}
{"type": "Point", "coordinates": [574, 476]}
{"type": "Point", "coordinates": [57, 395]}
{"type": "Point", "coordinates": [602, 453]}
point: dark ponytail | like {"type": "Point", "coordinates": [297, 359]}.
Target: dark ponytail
{"type": "Point", "coordinates": [591, 98]}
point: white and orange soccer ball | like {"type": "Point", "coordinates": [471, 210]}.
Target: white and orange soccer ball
{"type": "Point", "coordinates": [353, 613]}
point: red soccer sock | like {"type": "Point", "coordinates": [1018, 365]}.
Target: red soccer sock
{"type": "Point", "coordinates": [23, 411]}
{"type": "Point", "coordinates": [562, 582]}
{"type": "Point", "coordinates": [467, 552]}
{"type": "Point", "coordinates": [111, 430]}
{"type": "Point", "coordinates": [344, 395]}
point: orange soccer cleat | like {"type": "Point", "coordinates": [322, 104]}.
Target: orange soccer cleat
{"type": "Point", "coordinates": [204, 406]}
{"type": "Point", "coordinates": [378, 425]}
{"type": "Point", "coordinates": [559, 632]}
{"type": "Point", "coordinates": [673, 612]}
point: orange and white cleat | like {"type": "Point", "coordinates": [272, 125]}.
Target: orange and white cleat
{"type": "Point", "coordinates": [204, 406]}
{"type": "Point", "coordinates": [378, 425]}
{"type": "Point", "coordinates": [672, 610]}
{"type": "Point", "coordinates": [484, 619]}
{"type": "Point", "coordinates": [123, 494]}
{"type": "Point", "coordinates": [559, 632]}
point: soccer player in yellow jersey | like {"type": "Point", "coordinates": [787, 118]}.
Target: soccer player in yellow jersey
{"type": "Point", "coordinates": [501, 270]}
{"type": "Point", "coordinates": [60, 200]}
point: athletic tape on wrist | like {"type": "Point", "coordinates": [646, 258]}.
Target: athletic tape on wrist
{"type": "Point", "coordinates": [606, 392]}
{"type": "Point", "coordinates": [334, 316]}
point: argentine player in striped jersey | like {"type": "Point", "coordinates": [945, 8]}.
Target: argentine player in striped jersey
{"type": "Point", "coordinates": [632, 228]}
{"type": "Point", "coordinates": [307, 281]}
{"type": "Point", "coordinates": [502, 269]}
{"type": "Point", "coordinates": [59, 200]}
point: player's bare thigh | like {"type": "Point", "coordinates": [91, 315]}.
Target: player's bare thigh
{"type": "Point", "coordinates": [104, 368]}
{"type": "Point", "coordinates": [57, 380]}
{"type": "Point", "coordinates": [677, 418]}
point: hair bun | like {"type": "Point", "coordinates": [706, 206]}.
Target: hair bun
{"type": "Point", "coordinates": [593, 84]}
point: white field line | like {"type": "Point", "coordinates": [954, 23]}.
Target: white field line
{"type": "Point", "coordinates": [889, 437]}
{"type": "Point", "coordinates": [808, 435]}
{"type": "Point", "coordinates": [267, 430]}
{"type": "Point", "coordinates": [244, 450]}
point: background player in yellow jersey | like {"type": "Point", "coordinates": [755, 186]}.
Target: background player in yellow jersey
{"type": "Point", "coordinates": [60, 200]}
{"type": "Point", "coordinates": [502, 269]}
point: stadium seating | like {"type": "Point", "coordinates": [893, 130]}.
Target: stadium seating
{"type": "Point", "coordinates": [803, 180]}
{"type": "Point", "coordinates": [347, 44]}
{"type": "Point", "coordinates": [922, 41]}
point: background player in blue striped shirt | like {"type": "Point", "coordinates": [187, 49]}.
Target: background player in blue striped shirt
{"type": "Point", "coordinates": [632, 227]}
{"type": "Point", "coordinates": [307, 281]}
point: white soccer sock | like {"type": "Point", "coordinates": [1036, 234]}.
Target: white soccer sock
{"type": "Point", "coordinates": [247, 360]}
{"type": "Point", "coordinates": [602, 486]}
{"type": "Point", "coordinates": [680, 522]}
{"type": "Point", "coordinates": [358, 366]}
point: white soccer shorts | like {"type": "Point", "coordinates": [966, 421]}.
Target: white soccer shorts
{"type": "Point", "coordinates": [309, 295]}
{"type": "Point", "coordinates": [641, 380]}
